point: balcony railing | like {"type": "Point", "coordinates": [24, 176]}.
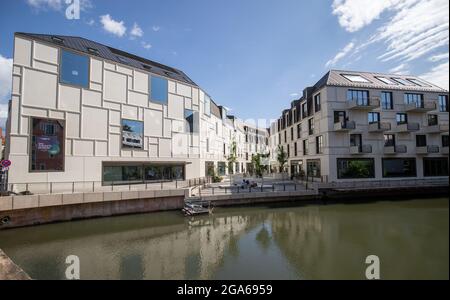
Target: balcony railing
{"type": "Point", "coordinates": [364, 104]}
{"type": "Point", "coordinates": [395, 149]}
{"type": "Point", "coordinates": [379, 127]}
{"type": "Point", "coordinates": [427, 149]}
{"type": "Point", "coordinates": [438, 128]}
{"type": "Point", "coordinates": [408, 127]}
{"type": "Point", "coordinates": [421, 106]}
{"type": "Point", "coordinates": [445, 150]}
{"type": "Point", "coordinates": [362, 149]}
{"type": "Point", "coordinates": [344, 126]}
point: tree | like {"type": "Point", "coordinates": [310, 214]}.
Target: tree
{"type": "Point", "coordinates": [281, 158]}
{"type": "Point", "coordinates": [258, 167]}
{"type": "Point", "coordinates": [232, 158]}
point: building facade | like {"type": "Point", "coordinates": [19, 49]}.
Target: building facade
{"type": "Point", "coordinates": [361, 125]}
{"type": "Point", "coordinates": [85, 112]}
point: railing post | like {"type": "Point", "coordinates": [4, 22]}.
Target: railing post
{"type": "Point", "coordinates": [162, 185]}
{"type": "Point", "coordinates": [284, 187]}
{"type": "Point", "coordinates": [112, 186]}
{"type": "Point", "coordinates": [273, 187]}
{"type": "Point", "coordinates": [213, 190]}
{"type": "Point", "coordinates": [176, 183]}
{"type": "Point", "coordinates": [73, 187]}
{"type": "Point", "coordinates": [93, 186]}
{"type": "Point", "coordinates": [51, 187]}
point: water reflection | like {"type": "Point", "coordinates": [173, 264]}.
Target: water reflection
{"type": "Point", "coordinates": [312, 242]}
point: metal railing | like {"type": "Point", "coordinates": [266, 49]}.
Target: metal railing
{"type": "Point", "coordinates": [101, 186]}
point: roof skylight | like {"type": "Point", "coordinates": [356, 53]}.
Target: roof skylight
{"type": "Point", "coordinates": [418, 82]}
{"type": "Point", "coordinates": [402, 81]}
{"type": "Point", "coordinates": [355, 78]}
{"type": "Point", "coordinates": [386, 80]}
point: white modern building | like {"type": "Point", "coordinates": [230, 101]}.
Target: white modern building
{"type": "Point", "coordinates": [85, 112]}
{"type": "Point", "coordinates": [362, 125]}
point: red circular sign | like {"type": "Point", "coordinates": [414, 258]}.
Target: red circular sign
{"type": "Point", "coordinates": [6, 163]}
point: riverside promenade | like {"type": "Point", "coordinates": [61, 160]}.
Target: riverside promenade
{"type": "Point", "coordinates": [45, 207]}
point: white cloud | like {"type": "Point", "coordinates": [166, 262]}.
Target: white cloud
{"type": "Point", "coordinates": [115, 27]}
{"type": "Point", "coordinates": [56, 4]}
{"type": "Point", "coordinates": [136, 31]}
{"type": "Point", "coordinates": [91, 22]}
{"type": "Point", "coordinates": [438, 57]}
{"type": "Point", "coordinates": [156, 28]}
{"type": "Point", "coordinates": [5, 77]}
{"type": "Point", "coordinates": [45, 4]}
{"type": "Point", "coordinates": [146, 45]}
{"type": "Point", "coordinates": [415, 27]}
{"type": "Point", "coordinates": [340, 55]}
{"type": "Point", "coordinates": [294, 95]}
{"type": "Point", "coordinates": [438, 75]}
{"type": "Point", "coordinates": [355, 14]}
{"type": "Point", "coordinates": [401, 69]}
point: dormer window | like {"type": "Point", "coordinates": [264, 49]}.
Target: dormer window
{"type": "Point", "coordinates": [355, 78]}
{"type": "Point", "coordinates": [57, 39]}
{"type": "Point", "coordinates": [92, 51]}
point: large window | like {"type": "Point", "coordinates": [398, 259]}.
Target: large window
{"type": "Point", "coordinates": [340, 116]}
{"type": "Point", "coordinates": [401, 118]}
{"type": "Point", "coordinates": [386, 100]}
{"type": "Point", "coordinates": [192, 121]}
{"type": "Point", "coordinates": [374, 117]}
{"type": "Point", "coordinates": [399, 167]}
{"type": "Point", "coordinates": [304, 110]}
{"type": "Point", "coordinates": [361, 97]}
{"type": "Point", "coordinates": [74, 69]}
{"type": "Point", "coordinates": [221, 168]}
{"type": "Point", "coordinates": [432, 120]}
{"type": "Point", "coordinates": [421, 140]}
{"type": "Point", "coordinates": [305, 147]}
{"type": "Point", "coordinates": [435, 166]}
{"type": "Point", "coordinates": [417, 99]}
{"type": "Point", "coordinates": [443, 103]}
{"type": "Point", "coordinates": [47, 145]}
{"type": "Point", "coordinates": [159, 89]}
{"type": "Point", "coordinates": [389, 140]}
{"type": "Point", "coordinates": [311, 126]}
{"type": "Point", "coordinates": [207, 105]}
{"type": "Point", "coordinates": [445, 141]}
{"type": "Point", "coordinates": [299, 131]}
{"type": "Point", "coordinates": [355, 168]}
{"type": "Point", "coordinates": [319, 144]}
{"type": "Point", "coordinates": [317, 104]}
{"type": "Point", "coordinates": [313, 168]}
{"type": "Point", "coordinates": [140, 173]}
{"type": "Point", "coordinates": [132, 134]}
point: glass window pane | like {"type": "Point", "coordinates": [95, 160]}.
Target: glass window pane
{"type": "Point", "coordinates": [132, 134]}
{"type": "Point", "coordinates": [159, 89]}
{"type": "Point", "coordinates": [47, 145]}
{"type": "Point", "coordinates": [74, 69]}
{"type": "Point", "coordinates": [355, 168]}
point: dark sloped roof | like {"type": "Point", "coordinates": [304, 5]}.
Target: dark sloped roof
{"type": "Point", "coordinates": [112, 54]}
{"type": "Point", "coordinates": [336, 78]}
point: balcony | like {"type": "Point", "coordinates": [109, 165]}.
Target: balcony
{"type": "Point", "coordinates": [438, 128]}
{"type": "Point", "coordinates": [408, 127]}
{"type": "Point", "coordinates": [379, 127]}
{"type": "Point", "coordinates": [395, 149]}
{"type": "Point", "coordinates": [344, 126]}
{"type": "Point", "coordinates": [427, 149]}
{"type": "Point", "coordinates": [363, 149]}
{"type": "Point", "coordinates": [420, 106]}
{"type": "Point", "coordinates": [364, 104]}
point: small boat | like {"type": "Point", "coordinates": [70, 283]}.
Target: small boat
{"type": "Point", "coordinates": [191, 209]}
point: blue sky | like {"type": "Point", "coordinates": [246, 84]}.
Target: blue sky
{"type": "Point", "coordinates": [252, 56]}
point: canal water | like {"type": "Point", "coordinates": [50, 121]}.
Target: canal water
{"type": "Point", "coordinates": [411, 239]}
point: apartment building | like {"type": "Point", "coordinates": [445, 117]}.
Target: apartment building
{"type": "Point", "coordinates": [85, 112]}
{"type": "Point", "coordinates": [362, 125]}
